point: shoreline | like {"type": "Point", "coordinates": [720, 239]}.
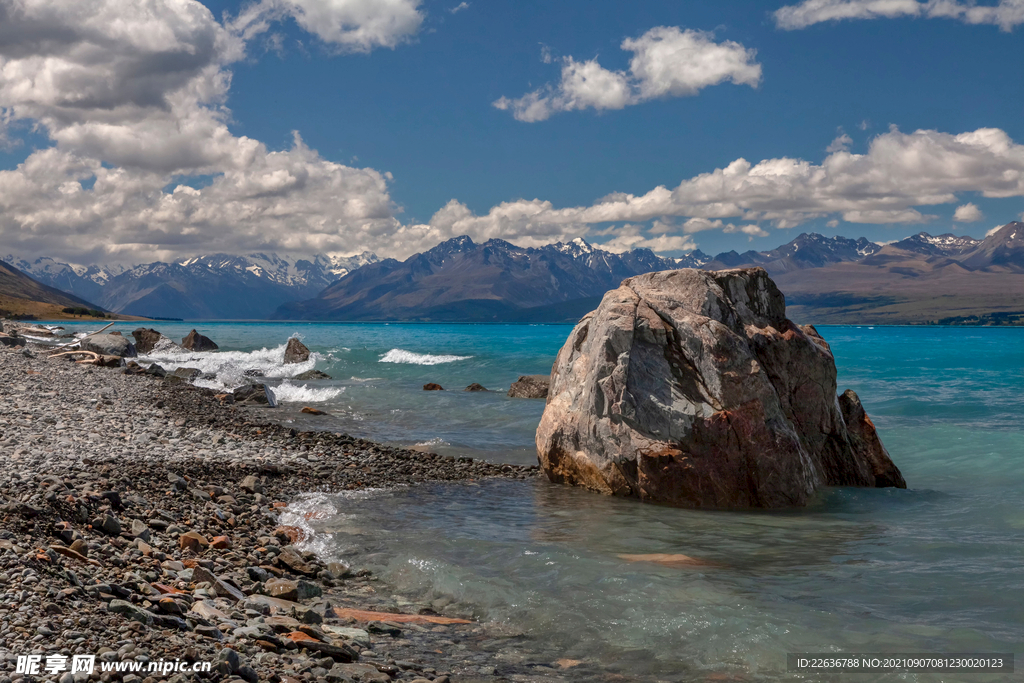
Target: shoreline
{"type": "Point", "coordinates": [173, 500]}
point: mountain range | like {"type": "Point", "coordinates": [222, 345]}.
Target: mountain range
{"type": "Point", "coordinates": [460, 280]}
{"type": "Point", "coordinates": [920, 279]}
{"type": "Point", "coordinates": [216, 286]}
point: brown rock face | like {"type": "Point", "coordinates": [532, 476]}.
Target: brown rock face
{"type": "Point", "coordinates": [530, 386]}
{"type": "Point", "coordinates": [197, 342]}
{"type": "Point", "coordinates": [295, 352]}
{"type": "Point", "coordinates": [865, 442]}
{"type": "Point", "coordinates": [145, 339]}
{"type": "Point", "coordinates": [692, 388]}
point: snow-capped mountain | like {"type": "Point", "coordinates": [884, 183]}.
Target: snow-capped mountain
{"type": "Point", "coordinates": [86, 282]}
{"type": "Point", "coordinates": [462, 280]}
{"type": "Point", "coordinates": [939, 245]}
{"type": "Point", "coordinates": [220, 286]}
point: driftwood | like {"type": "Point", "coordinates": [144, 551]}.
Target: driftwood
{"type": "Point", "coordinates": [95, 356]}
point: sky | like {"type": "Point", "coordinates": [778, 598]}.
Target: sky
{"type": "Point", "coordinates": [142, 130]}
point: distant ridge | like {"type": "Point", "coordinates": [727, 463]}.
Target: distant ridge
{"type": "Point", "coordinates": [20, 295]}
{"type": "Point", "coordinates": [920, 279]}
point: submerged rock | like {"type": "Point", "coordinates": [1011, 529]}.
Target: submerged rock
{"type": "Point", "coordinates": [197, 342]}
{"type": "Point", "coordinates": [431, 386]}
{"type": "Point", "coordinates": [530, 386]}
{"type": "Point", "coordinates": [692, 388]}
{"type": "Point", "coordinates": [475, 387]}
{"type": "Point", "coordinates": [312, 374]}
{"type": "Point", "coordinates": [295, 352]}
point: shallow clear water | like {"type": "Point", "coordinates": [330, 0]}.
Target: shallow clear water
{"type": "Point", "coordinates": [938, 567]}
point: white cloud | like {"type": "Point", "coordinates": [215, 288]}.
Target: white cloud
{"type": "Point", "coordinates": [459, 7]}
{"type": "Point", "coordinates": [840, 144]}
{"type": "Point", "coordinates": [967, 213]}
{"type": "Point", "coordinates": [751, 230]}
{"type": "Point", "coordinates": [1006, 14]}
{"type": "Point", "coordinates": [632, 236]}
{"type": "Point", "coordinates": [889, 184]}
{"type": "Point", "coordinates": [666, 62]}
{"type": "Point", "coordinates": [132, 96]}
{"type": "Point", "coordinates": [347, 25]}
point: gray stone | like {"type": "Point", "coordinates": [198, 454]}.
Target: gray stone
{"type": "Point", "coordinates": [692, 388]}
{"type": "Point", "coordinates": [187, 374]}
{"type": "Point", "coordinates": [251, 484]}
{"type": "Point", "coordinates": [131, 611]}
{"type": "Point", "coordinates": [108, 524]}
{"type": "Point", "coordinates": [109, 345]}
{"type": "Point", "coordinates": [140, 530]}
{"type": "Point", "coordinates": [230, 658]}
{"type": "Point", "coordinates": [224, 589]}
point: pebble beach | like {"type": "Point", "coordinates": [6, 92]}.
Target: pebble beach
{"type": "Point", "coordinates": [140, 522]}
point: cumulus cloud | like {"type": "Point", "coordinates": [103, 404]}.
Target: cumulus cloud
{"type": "Point", "coordinates": [666, 62]}
{"type": "Point", "coordinates": [1006, 14]}
{"type": "Point", "coordinates": [132, 96]}
{"type": "Point", "coordinates": [346, 25]}
{"type": "Point", "coordinates": [459, 7]}
{"type": "Point", "coordinates": [967, 213]}
{"type": "Point", "coordinates": [840, 144]}
{"type": "Point", "coordinates": [900, 174]}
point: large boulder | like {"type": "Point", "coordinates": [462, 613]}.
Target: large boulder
{"type": "Point", "coordinates": [530, 386]}
{"type": "Point", "coordinates": [295, 352]}
{"type": "Point", "coordinates": [692, 388]}
{"type": "Point", "coordinates": [197, 342]}
{"type": "Point", "coordinates": [109, 345]}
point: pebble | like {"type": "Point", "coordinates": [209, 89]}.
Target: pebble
{"type": "Point", "coordinates": [168, 502]}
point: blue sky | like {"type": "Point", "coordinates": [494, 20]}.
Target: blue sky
{"type": "Point", "coordinates": [395, 105]}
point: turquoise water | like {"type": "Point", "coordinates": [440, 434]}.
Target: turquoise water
{"type": "Point", "coordinates": [938, 567]}
{"type": "Point", "coordinates": [379, 371]}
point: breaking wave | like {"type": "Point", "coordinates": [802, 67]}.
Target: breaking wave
{"type": "Point", "coordinates": [286, 392]}
{"type": "Point", "coordinates": [229, 369]}
{"type": "Point", "coordinates": [403, 356]}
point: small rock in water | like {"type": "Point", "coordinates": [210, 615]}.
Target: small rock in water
{"type": "Point", "coordinates": [432, 387]}
{"type": "Point", "coordinates": [197, 342]}
{"type": "Point", "coordinates": [475, 387]}
{"type": "Point", "coordinates": [312, 374]}
{"type": "Point", "coordinates": [313, 411]}
{"type": "Point", "coordinates": [295, 352]}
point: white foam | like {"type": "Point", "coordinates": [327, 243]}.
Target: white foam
{"type": "Point", "coordinates": [286, 392]}
{"type": "Point", "coordinates": [402, 356]}
{"type": "Point", "coordinates": [436, 441]}
{"type": "Point", "coordinates": [229, 367]}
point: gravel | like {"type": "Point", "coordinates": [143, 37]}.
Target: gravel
{"type": "Point", "coordinates": [139, 521]}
